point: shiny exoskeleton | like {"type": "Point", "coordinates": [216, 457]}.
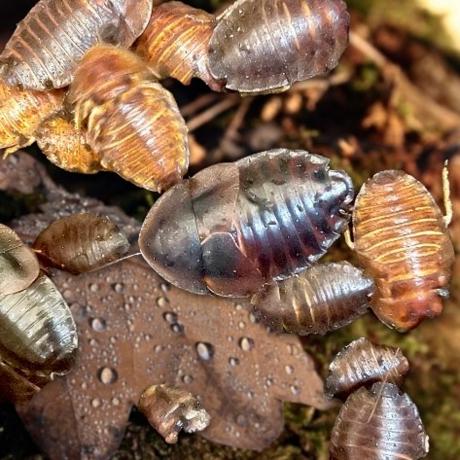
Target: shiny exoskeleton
{"type": "Point", "coordinates": [262, 46]}
{"type": "Point", "coordinates": [319, 300]}
{"type": "Point", "coordinates": [37, 331]}
{"type": "Point", "coordinates": [234, 227]}
{"type": "Point", "coordinates": [175, 43]}
{"type": "Point", "coordinates": [402, 241]}
{"type": "Point", "coordinates": [361, 362]}
{"type": "Point", "coordinates": [21, 112]}
{"type": "Point", "coordinates": [48, 43]}
{"type": "Point", "coordinates": [132, 123]}
{"type": "Point", "coordinates": [378, 424]}
{"type": "Point", "coordinates": [81, 242]}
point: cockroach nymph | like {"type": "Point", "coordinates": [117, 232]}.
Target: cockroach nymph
{"type": "Point", "coordinates": [175, 43]}
{"type": "Point", "coordinates": [132, 123]}
{"type": "Point", "coordinates": [37, 331]}
{"type": "Point", "coordinates": [260, 47]}
{"type": "Point", "coordinates": [234, 227]}
{"type": "Point", "coordinates": [48, 43]}
{"type": "Point", "coordinates": [319, 300]}
{"type": "Point", "coordinates": [21, 112]}
{"type": "Point", "coordinates": [402, 242]}
{"type": "Point", "coordinates": [361, 363]}
{"type": "Point", "coordinates": [378, 424]}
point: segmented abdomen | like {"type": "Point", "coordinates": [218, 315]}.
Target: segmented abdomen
{"type": "Point", "coordinates": [265, 45]}
{"type": "Point", "coordinates": [321, 299]}
{"type": "Point", "coordinates": [37, 328]}
{"type": "Point", "coordinates": [176, 42]}
{"type": "Point", "coordinates": [291, 208]}
{"type": "Point", "coordinates": [402, 240]}
{"type": "Point", "coordinates": [21, 112]}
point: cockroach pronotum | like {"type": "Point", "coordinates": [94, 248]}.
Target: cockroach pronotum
{"type": "Point", "coordinates": [234, 227]}
{"type": "Point", "coordinates": [360, 363]}
{"type": "Point", "coordinates": [377, 424]}
{"type": "Point", "coordinates": [37, 331]}
{"type": "Point", "coordinates": [48, 43]}
{"type": "Point", "coordinates": [132, 123]}
{"type": "Point", "coordinates": [265, 46]}
{"type": "Point", "coordinates": [319, 300]}
{"type": "Point", "coordinates": [19, 266]}
{"type": "Point", "coordinates": [81, 243]}
{"type": "Point", "coordinates": [21, 112]}
{"type": "Point", "coordinates": [402, 241]}
{"type": "Point", "coordinates": [175, 43]}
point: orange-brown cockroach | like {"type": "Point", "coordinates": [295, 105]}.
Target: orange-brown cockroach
{"type": "Point", "coordinates": [48, 43]}
{"type": "Point", "coordinates": [402, 241]}
{"type": "Point", "coordinates": [175, 43]}
{"type": "Point", "coordinates": [132, 123]}
{"type": "Point", "coordinates": [21, 112]}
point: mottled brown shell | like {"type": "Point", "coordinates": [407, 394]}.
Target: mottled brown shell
{"type": "Point", "coordinates": [47, 45]}
{"type": "Point", "coordinates": [133, 124]}
{"type": "Point", "coordinates": [37, 330]}
{"type": "Point", "coordinates": [19, 266]}
{"type": "Point", "coordinates": [21, 112]}
{"type": "Point", "coordinates": [234, 227]}
{"type": "Point", "coordinates": [171, 410]}
{"type": "Point", "coordinates": [361, 362]}
{"type": "Point", "coordinates": [65, 146]}
{"type": "Point", "coordinates": [378, 424]}
{"type": "Point", "coordinates": [319, 300]}
{"type": "Point", "coordinates": [176, 41]}
{"type": "Point", "coordinates": [265, 46]}
{"type": "Point", "coordinates": [402, 241]}
{"type": "Point", "coordinates": [81, 242]}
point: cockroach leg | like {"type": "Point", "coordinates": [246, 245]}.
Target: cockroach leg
{"type": "Point", "coordinates": [348, 239]}
{"type": "Point", "coordinates": [446, 192]}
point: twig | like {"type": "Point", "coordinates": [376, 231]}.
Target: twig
{"type": "Point", "coordinates": [425, 106]}
{"type": "Point", "coordinates": [211, 113]}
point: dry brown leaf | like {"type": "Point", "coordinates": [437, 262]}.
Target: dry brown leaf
{"type": "Point", "coordinates": [136, 331]}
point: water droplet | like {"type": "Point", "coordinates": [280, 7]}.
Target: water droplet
{"type": "Point", "coordinates": [177, 328]}
{"type": "Point", "coordinates": [162, 302]}
{"type": "Point", "coordinates": [93, 287]}
{"type": "Point", "coordinates": [115, 401]}
{"type": "Point", "coordinates": [107, 375]}
{"type": "Point", "coordinates": [289, 370]}
{"type": "Point", "coordinates": [118, 287]}
{"type": "Point", "coordinates": [158, 348]}
{"type": "Point", "coordinates": [241, 324]}
{"type": "Point", "coordinates": [205, 350]}
{"type": "Point", "coordinates": [269, 382]}
{"type": "Point", "coordinates": [187, 379]}
{"type": "Point", "coordinates": [246, 344]}
{"type": "Point", "coordinates": [233, 361]}
{"type": "Point", "coordinates": [96, 402]}
{"type": "Point", "coordinates": [170, 317]}
{"type": "Point", "coordinates": [295, 390]}
{"type": "Point", "coordinates": [98, 324]}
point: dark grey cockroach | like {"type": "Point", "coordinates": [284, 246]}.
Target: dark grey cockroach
{"type": "Point", "coordinates": [234, 227]}
{"type": "Point", "coordinates": [378, 424]}
{"type": "Point", "coordinates": [319, 300]}
{"type": "Point", "coordinates": [265, 46]}
{"type": "Point", "coordinates": [37, 331]}
{"type": "Point", "coordinates": [361, 362]}
{"type": "Point", "coordinates": [48, 43]}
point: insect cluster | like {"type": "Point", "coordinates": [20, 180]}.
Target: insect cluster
{"type": "Point", "coordinates": [253, 228]}
{"type": "Point", "coordinates": [69, 82]}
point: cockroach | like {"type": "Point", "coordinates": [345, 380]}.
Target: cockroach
{"type": "Point", "coordinates": [65, 146]}
{"type": "Point", "coordinates": [132, 123]}
{"type": "Point", "coordinates": [19, 266]}
{"type": "Point", "coordinates": [234, 227]}
{"type": "Point", "coordinates": [319, 300]}
{"type": "Point", "coordinates": [175, 43]}
{"type": "Point", "coordinates": [402, 241]}
{"type": "Point", "coordinates": [37, 331]}
{"type": "Point", "coordinates": [266, 46]}
{"type": "Point", "coordinates": [48, 43]}
{"type": "Point", "coordinates": [81, 242]}
{"type": "Point", "coordinates": [378, 424]}
{"type": "Point", "coordinates": [21, 112]}
{"type": "Point", "coordinates": [361, 362]}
